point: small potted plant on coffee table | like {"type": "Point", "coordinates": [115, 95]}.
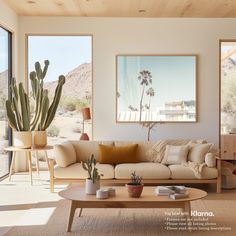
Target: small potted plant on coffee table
{"type": "Point", "coordinates": [135, 187]}
{"type": "Point", "coordinates": [93, 180]}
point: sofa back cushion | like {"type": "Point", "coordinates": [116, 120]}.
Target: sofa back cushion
{"type": "Point", "coordinates": [197, 152]}
{"type": "Point", "coordinates": [84, 149]}
{"type": "Point", "coordinates": [118, 154]}
{"type": "Point", "coordinates": [143, 147]}
{"type": "Point", "coordinates": [65, 154]}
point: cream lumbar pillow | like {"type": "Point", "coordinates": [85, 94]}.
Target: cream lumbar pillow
{"type": "Point", "coordinates": [175, 154]}
{"type": "Point", "coordinates": [65, 154]}
{"type": "Point", "coordinates": [197, 152]}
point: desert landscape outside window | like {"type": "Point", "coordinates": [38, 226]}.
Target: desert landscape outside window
{"type": "Point", "coordinates": [70, 56]}
{"type": "Point", "coordinates": [5, 74]}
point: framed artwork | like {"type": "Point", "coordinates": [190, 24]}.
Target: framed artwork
{"type": "Point", "coordinates": [156, 88]}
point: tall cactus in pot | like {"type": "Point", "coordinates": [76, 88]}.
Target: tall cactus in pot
{"type": "Point", "coordinates": [44, 112]}
{"type": "Point", "coordinates": [18, 108]}
{"type": "Point", "coordinates": [18, 113]}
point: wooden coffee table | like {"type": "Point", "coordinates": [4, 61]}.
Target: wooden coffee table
{"type": "Point", "coordinates": [148, 199]}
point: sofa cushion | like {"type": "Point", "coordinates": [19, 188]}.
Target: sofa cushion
{"type": "Point", "coordinates": [118, 154]}
{"type": "Point", "coordinates": [84, 149]}
{"type": "Point", "coordinates": [183, 172]}
{"type": "Point", "coordinates": [143, 147]}
{"type": "Point", "coordinates": [157, 151]}
{"type": "Point", "coordinates": [175, 154]}
{"type": "Point", "coordinates": [197, 152]}
{"type": "Point", "coordinates": [210, 160]}
{"type": "Point", "coordinates": [76, 171]}
{"type": "Point", "coordinates": [65, 154]}
{"type": "Point", "coordinates": [146, 170]}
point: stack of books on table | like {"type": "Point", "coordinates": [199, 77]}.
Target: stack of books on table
{"type": "Point", "coordinates": [174, 192]}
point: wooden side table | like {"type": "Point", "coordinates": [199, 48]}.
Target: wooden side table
{"type": "Point", "coordinates": [28, 152]}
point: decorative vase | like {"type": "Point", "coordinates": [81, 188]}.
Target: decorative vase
{"type": "Point", "coordinates": [90, 187]}
{"type": "Point", "coordinates": [22, 139]}
{"type": "Point", "coordinates": [134, 191]}
{"type": "Point", "coordinates": [40, 139]}
{"type": "Point", "coordinates": [84, 136]}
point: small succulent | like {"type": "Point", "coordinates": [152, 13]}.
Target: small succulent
{"type": "Point", "coordinates": [135, 179]}
{"type": "Point", "coordinates": [90, 167]}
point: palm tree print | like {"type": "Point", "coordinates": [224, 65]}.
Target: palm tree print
{"type": "Point", "coordinates": [145, 79]}
{"type": "Point", "coordinates": [151, 93]}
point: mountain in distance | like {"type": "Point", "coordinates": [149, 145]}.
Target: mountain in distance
{"type": "Point", "coordinates": [78, 83]}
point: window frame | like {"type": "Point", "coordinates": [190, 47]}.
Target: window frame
{"type": "Point", "coordinates": [10, 73]}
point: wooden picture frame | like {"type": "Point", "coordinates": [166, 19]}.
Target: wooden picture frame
{"type": "Point", "coordinates": [156, 88]}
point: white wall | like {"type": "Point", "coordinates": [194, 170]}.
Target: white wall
{"type": "Point", "coordinates": [145, 36]}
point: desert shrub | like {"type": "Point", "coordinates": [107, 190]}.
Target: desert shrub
{"type": "Point", "coordinates": [68, 104]}
{"type": "Point", "coordinates": [72, 104]}
{"type": "Point", "coordinates": [53, 131]}
{"type": "Point", "coordinates": [76, 130]}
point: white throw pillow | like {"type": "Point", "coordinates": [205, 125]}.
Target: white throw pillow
{"type": "Point", "coordinates": [210, 160]}
{"type": "Point", "coordinates": [175, 154]}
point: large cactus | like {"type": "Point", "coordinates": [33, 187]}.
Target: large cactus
{"type": "Point", "coordinates": [44, 113]}
{"type": "Point", "coordinates": [18, 110]}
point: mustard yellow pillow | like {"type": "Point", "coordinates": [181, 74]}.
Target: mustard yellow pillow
{"type": "Point", "coordinates": [118, 154]}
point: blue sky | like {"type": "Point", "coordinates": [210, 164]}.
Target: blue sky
{"type": "Point", "coordinates": [65, 53]}
{"type": "Point", "coordinates": [173, 79]}
{"type": "Point", "coordinates": [3, 50]}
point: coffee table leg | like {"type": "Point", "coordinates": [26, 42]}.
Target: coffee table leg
{"type": "Point", "coordinates": [71, 215]}
{"type": "Point", "coordinates": [80, 211]}
{"type": "Point", "coordinates": [187, 208]}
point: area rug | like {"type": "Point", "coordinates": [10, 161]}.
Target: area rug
{"type": "Point", "coordinates": [122, 222]}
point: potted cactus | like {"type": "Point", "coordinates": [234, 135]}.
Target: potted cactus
{"type": "Point", "coordinates": [93, 181]}
{"type": "Point", "coordinates": [44, 112]}
{"type": "Point", "coordinates": [18, 113]}
{"type": "Point", "coordinates": [135, 187]}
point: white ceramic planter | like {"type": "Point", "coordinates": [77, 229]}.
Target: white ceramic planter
{"type": "Point", "coordinates": [22, 139]}
{"type": "Point", "coordinates": [90, 187]}
{"type": "Point", "coordinates": [40, 139]}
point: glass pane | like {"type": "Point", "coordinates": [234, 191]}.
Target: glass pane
{"type": "Point", "coordinates": [69, 56]}
{"type": "Point", "coordinates": [4, 74]}
{"type": "Point", "coordinates": [228, 87]}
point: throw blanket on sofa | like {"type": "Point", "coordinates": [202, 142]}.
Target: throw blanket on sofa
{"type": "Point", "coordinates": [195, 167]}
{"type": "Point", "coordinates": [157, 152]}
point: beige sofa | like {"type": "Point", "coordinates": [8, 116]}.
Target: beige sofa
{"type": "Point", "coordinates": [68, 168]}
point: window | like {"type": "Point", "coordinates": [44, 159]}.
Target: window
{"type": "Point", "coordinates": [5, 75]}
{"type": "Point", "coordinates": [70, 56]}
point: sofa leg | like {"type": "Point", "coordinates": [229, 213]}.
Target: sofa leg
{"type": "Point", "coordinates": [218, 185]}
{"type": "Point", "coordinates": [51, 163]}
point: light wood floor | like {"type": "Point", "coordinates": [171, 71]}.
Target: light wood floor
{"type": "Point", "coordinates": [33, 210]}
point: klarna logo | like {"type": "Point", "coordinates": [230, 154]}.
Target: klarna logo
{"type": "Point", "coordinates": [202, 213]}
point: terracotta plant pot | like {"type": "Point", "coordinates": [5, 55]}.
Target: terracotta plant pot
{"type": "Point", "coordinates": [134, 190]}
{"type": "Point", "coordinates": [90, 187]}
{"type": "Point", "coordinates": [40, 139]}
{"type": "Point", "coordinates": [22, 139]}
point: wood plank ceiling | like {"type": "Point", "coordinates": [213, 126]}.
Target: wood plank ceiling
{"type": "Point", "coordinates": [125, 8]}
